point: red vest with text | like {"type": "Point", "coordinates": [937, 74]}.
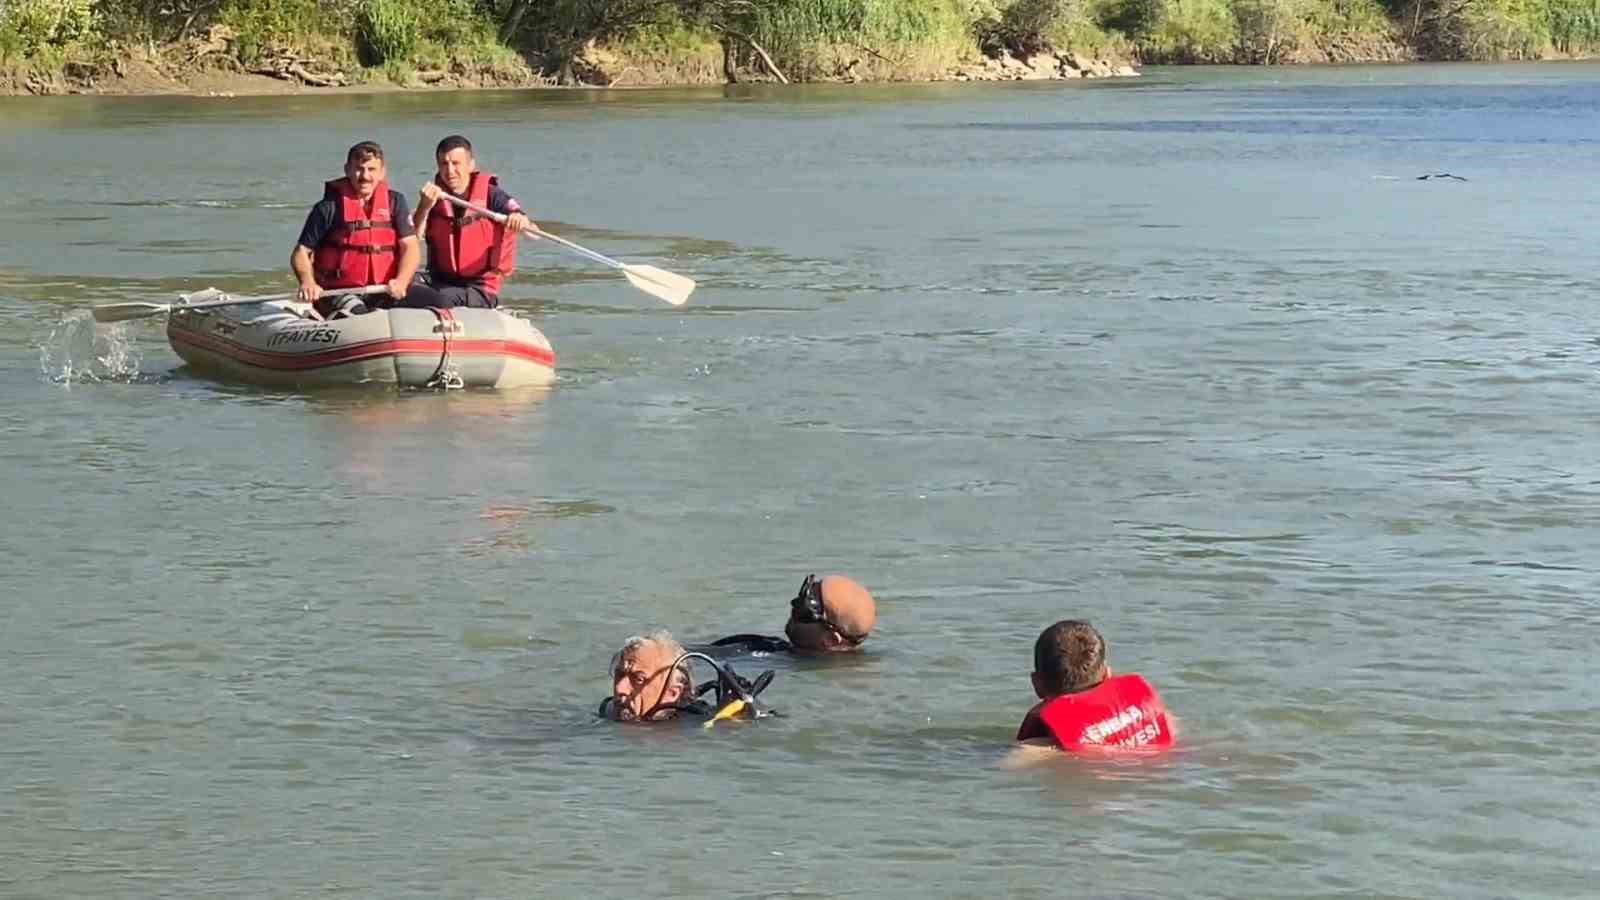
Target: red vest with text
{"type": "Point", "coordinates": [361, 248]}
{"type": "Point", "coordinates": [1122, 712]}
{"type": "Point", "coordinates": [466, 246]}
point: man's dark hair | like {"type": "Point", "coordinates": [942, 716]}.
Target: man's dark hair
{"type": "Point", "coordinates": [1069, 656]}
{"type": "Point", "coordinates": [364, 151]}
{"type": "Point", "coordinates": [452, 142]}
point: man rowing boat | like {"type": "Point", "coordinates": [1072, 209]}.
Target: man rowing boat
{"type": "Point", "coordinates": [468, 253]}
{"type": "Point", "coordinates": [358, 234]}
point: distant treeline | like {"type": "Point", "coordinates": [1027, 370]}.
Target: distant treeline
{"type": "Point", "coordinates": [551, 34]}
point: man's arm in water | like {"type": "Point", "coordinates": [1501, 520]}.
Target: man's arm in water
{"type": "Point", "coordinates": [1031, 752]}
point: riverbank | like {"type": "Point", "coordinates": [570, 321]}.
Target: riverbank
{"type": "Point", "coordinates": [212, 67]}
{"type": "Point", "coordinates": [136, 74]}
{"type": "Point", "coordinates": [289, 46]}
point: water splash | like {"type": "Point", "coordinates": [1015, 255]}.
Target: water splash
{"type": "Point", "coordinates": [78, 352]}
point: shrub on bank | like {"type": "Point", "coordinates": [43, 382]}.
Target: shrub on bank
{"type": "Point", "coordinates": [259, 25]}
{"type": "Point", "coordinates": [1191, 31]}
{"type": "Point", "coordinates": [1087, 29]}
{"type": "Point", "coordinates": [1499, 29]}
{"type": "Point", "coordinates": [1574, 25]}
{"type": "Point", "coordinates": [802, 35]}
{"type": "Point", "coordinates": [1505, 29]}
{"type": "Point", "coordinates": [398, 37]}
{"type": "Point", "coordinates": [387, 31]}
{"type": "Point", "coordinates": [46, 30]}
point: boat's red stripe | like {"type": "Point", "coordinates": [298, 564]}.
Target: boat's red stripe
{"type": "Point", "coordinates": [287, 362]}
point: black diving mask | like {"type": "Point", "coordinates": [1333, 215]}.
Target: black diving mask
{"type": "Point", "coordinates": [807, 605]}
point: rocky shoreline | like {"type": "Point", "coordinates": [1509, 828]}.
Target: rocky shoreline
{"type": "Point", "coordinates": [209, 65]}
{"type": "Point", "coordinates": [140, 78]}
{"type": "Point", "coordinates": [1042, 67]}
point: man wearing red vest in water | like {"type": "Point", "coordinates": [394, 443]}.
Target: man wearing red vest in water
{"type": "Point", "coordinates": [1082, 704]}
{"type": "Point", "coordinates": [468, 253]}
{"type": "Point", "coordinates": [360, 234]}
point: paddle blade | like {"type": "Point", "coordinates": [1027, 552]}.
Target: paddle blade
{"type": "Point", "coordinates": [121, 312]}
{"type": "Point", "coordinates": [669, 286]}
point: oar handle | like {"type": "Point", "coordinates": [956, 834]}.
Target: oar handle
{"type": "Point", "coordinates": [534, 230]}
{"type": "Point", "coordinates": [121, 312]}
{"type": "Point", "coordinates": [263, 298]}
{"type": "Point", "coordinates": [481, 210]}
{"type": "Point", "coordinates": [233, 301]}
{"type": "Point", "coordinates": [585, 251]}
{"type": "Point", "coordinates": [659, 283]}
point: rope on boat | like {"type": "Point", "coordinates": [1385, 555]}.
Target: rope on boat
{"type": "Point", "coordinates": [446, 376]}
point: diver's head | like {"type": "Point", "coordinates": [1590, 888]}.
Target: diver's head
{"type": "Point", "coordinates": [644, 680]}
{"type": "Point", "coordinates": [834, 613]}
{"type": "Point", "coordinates": [1068, 657]}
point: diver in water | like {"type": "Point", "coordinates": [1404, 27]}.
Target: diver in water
{"type": "Point", "coordinates": [829, 615]}
{"type": "Point", "coordinates": [651, 681]}
{"type": "Point", "coordinates": [1082, 704]}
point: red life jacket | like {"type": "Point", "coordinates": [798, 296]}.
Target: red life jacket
{"type": "Point", "coordinates": [361, 248]}
{"type": "Point", "coordinates": [1122, 712]}
{"type": "Point", "coordinates": [466, 246]}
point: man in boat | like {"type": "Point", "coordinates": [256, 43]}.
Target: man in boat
{"type": "Point", "coordinates": [359, 234]}
{"type": "Point", "coordinates": [468, 253]}
{"type": "Point", "coordinates": [1082, 705]}
{"type": "Point", "coordinates": [830, 615]}
{"type": "Point", "coordinates": [651, 682]}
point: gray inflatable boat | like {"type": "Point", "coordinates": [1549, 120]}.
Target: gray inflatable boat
{"type": "Point", "coordinates": [275, 344]}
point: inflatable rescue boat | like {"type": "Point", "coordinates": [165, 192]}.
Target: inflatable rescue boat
{"type": "Point", "coordinates": [273, 343]}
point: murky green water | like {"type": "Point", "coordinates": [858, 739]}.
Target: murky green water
{"type": "Point", "coordinates": [1194, 356]}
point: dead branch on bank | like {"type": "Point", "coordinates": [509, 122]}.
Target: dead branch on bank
{"type": "Point", "coordinates": [288, 68]}
{"type": "Point", "coordinates": [620, 75]}
{"type": "Point", "coordinates": [865, 48]}
{"type": "Point", "coordinates": [760, 51]}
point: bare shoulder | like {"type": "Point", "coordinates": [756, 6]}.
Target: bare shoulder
{"type": "Point", "coordinates": [1031, 752]}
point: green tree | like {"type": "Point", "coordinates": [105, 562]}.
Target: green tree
{"type": "Point", "coordinates": [1267, 29]}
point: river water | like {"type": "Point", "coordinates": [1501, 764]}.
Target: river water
{"type": "Point", "coordinates": [1195, 356]}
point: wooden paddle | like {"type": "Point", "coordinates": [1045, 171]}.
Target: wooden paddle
{"type": "Point", "coordinates": [668, 286]}
{"type": "Point", "coordinates": [121, 312]}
